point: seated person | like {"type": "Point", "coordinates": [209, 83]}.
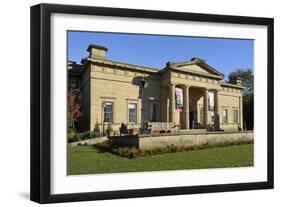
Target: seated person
{"type": "Point", "coordinates": [123, 129]}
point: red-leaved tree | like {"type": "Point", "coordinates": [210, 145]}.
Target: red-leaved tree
{"type": "Point", "coordinates": [74, 111]}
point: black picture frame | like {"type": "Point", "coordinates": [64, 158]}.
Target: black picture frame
{"type": "Point", "coordinates": [41, 96]}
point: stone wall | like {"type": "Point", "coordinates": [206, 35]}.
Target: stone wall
{"type": "Point", "coordinates": [186, 140]}
{"type": "Point", "coordinates": [88, 141]}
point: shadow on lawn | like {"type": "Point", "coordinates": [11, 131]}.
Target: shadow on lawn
{"type": "Point", "coordinates": [99, 149]}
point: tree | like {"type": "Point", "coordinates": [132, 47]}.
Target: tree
{"type": "Point", "coordinates": [247, 77]}
{"type": "Point", "coordinates": [74, 111]}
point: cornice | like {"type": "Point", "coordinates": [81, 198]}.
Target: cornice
{"type": "Point", "coordinates": [231, 85]}
{"type": "Point", "coordinates": [122, 65]}
{"type": "Point", "coordinates": [189, 71]}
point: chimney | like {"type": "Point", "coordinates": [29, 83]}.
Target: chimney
{"type": "Point", "coordinates": [96, 51]}
{"type": "Point", "coordinates": [237, 81]}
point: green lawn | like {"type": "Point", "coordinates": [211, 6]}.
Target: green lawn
{"type": "Point", "coordinates": [89, 160]}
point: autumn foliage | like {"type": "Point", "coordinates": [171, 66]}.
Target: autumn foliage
{"type": "Point", "coordinates": [74, 110]}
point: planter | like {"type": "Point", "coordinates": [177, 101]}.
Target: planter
{"type": "Point", "coordinates": [133, 131]}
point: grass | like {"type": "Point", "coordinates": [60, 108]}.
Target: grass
{"type": "Point", "coordinates": [90, 160]}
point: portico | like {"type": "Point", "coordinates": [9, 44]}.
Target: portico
{"type": "Point", "coordinates": [186, 119]}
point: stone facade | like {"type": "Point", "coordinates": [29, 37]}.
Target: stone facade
{"type": "Point", "coordinates": [131, 94]}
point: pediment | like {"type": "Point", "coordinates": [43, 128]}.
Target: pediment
{"type": "Point", "coordinates": [197, 67]}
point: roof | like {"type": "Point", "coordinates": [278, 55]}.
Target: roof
{"type": "Point", "coordinates": [200, 62]}
{"type": "Point", "coordinates": [231, 85]}
{"type": "Point", "coordinates": [124, 65]}
{"type": "Point", "coordinates": [73, 68]}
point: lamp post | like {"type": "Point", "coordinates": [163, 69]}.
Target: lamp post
{"type": "Point", "coordinates": [142, 84]}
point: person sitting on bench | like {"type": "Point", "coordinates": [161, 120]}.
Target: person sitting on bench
{"type": "Point", "coordinates": [123, 129]}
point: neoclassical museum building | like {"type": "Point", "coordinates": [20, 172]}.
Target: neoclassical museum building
{"type": "Point", "coordinates": [189, 94]}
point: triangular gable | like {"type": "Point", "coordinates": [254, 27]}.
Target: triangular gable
{"type": "Point", "coordinates": [199, 67]}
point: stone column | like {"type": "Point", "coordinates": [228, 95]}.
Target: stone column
{"type": "Point", "coordinates": [241, 112]}
{"type": "Point", "coordinates": [167, 111]}
{"type": "Point", "coordinates": [216, 110]}
{"type": "Point", "coordinates": [205, 108]}
{"type": "Point", "coordinates": [186, 106]}
{"type": "Point", "coordinates": [172, 103]}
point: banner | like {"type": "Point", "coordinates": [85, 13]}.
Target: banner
{"type": "Point", "coordinates": [211, 101]}
{"type": "Point", "coordinates": [179, 99]}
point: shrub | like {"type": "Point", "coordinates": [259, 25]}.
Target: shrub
{"type": "Point", "coordinates": [93, 134]}
{"type": "Point", "coordinates": [96, 128]}
{"type": "Point", "coordinates": [133, 152]}
{"type": "Point", "coordinates": [82, 144]}
{"type": "Point", "coordinates": [109, 129]}
{"type": "Point", "coordinates": [71, 136]}
{"type": "Point", "coordinates": [84, 135]}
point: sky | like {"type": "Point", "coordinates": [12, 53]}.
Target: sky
{"type": "Point", "coordinates": [225, 55]}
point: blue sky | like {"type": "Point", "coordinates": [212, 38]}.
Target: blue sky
{"type": "Point", "coordinates": [154, 51]}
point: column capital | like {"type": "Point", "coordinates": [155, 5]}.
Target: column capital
{"type": "Point", "coordinates": [206, 89]}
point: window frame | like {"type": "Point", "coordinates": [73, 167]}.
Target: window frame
{"type": "Point", "coordinates": [237, 116]}
{"type": "Point", "coordinates": [136, 113]}
{"type": "Point", "coordinates": [151, 107]}
{"type": "Point", "coordinates": [225, 118]}
{"type": "Point", "coordinates": [104, 113]}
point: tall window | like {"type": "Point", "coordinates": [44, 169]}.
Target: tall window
{"type": "Point", "coordinates": [132, 113]}
{"type": "Point", "coordinates": [235, 116]}
{"type": "Point", "coordinates": [152, 112]}
{"type": "Point", "coordinates": [224, 116]}
{"type": "Point", "coordinates": [108, 112]}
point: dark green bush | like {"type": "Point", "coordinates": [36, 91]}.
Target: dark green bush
{"type": "Point", "coordinates": [71, 136]}
{"type": "Point", "coordinates": [84, 135]}
{"type": "Point", "coordinates": [96, 128]}
{"type": "Point", "coordinates": [109, 129]}
{"type": "Point", "coordinates": [94, 134]}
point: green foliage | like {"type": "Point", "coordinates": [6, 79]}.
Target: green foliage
{"type": "Point", "coordinates": [97, 127]}
{"type": "Point", "coordinates": [84, 135]}
{"type": "Point", "coordinates": [94, 134]}
{"type": "Point", "coordinates": [96, 131]}
{"type": "Point", "coordinates": [109, 129]}
{"type": "Point", "coordinates": [247, 77]}
{"type": "Point", "coordinates": [80, 144]}
{"type": "Point", "coordinates": [133, 152]}
{"type": "Point", "coordinates": [72, 136]}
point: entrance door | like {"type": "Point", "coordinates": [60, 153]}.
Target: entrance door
{"type": "Point", "coordinates": [191, 120]}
